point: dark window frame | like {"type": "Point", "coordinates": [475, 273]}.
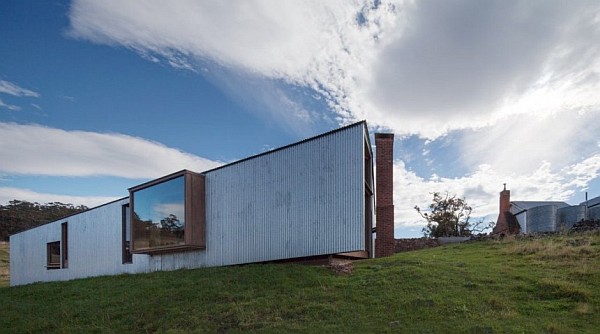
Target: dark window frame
{"type": "Point", "coordinates": [51, 248]}
{"type": "Point", "coordinates": [127, 257]}
{"type": "Point", "coordinates": [64, 245]}
{"type": "Point", "coordinates": [194, 212]}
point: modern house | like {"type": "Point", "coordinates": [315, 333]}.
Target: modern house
{"type": "Point", "coordinates": [542, 216]}
{"type": "Point", "coordinates": [312, 199]}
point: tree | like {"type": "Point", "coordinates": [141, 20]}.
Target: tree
{"type": "Point", "coordinates": [18, 215]}
{"type": "Point", "coordinates": [173, 225]}
{"type": "Point", "coordinates": [447, 216]}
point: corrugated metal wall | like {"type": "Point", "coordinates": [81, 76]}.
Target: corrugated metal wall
{"type": "Point", "coordinates": [522, 220]}
{"type": "Point", "coordinates": [570, 215]}
{"type": "Point", "coordinates": [594, 212]}
{"type": "Point", "coordinates": [542, 219]}
{"type": "Point", "coordinates": [303, 200]}
{"type": "Point", "coordinates": [94, 245]}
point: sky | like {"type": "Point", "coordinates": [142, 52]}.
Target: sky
{"type": "Point", "coordinates": [100, 96]}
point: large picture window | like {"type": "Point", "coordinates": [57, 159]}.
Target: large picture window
{"type": "Point", "coordinates": [168, 214]}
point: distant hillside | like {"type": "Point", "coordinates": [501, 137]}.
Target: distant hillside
{"type": "Point", "coordinates": [547, 285]}
{"type": "Point", "coordinates": [20, 215]}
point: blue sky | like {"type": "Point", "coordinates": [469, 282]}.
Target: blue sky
{"type": "Point", "coordinates": [99, 96]}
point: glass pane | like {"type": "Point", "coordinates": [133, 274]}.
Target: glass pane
{"type": "Point", "coordinates": [127, 222]}
{"type": "Point", "coordinates": [127, 258]}
{"type": "Point", "coordinates": [54, 254]}
{"type": "Point", "coordinates": [158, 218]}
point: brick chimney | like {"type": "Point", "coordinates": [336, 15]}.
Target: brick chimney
{"type": "Point", "coordinates": [384, 194]}
{"type": "Point", "coordinates": [502, 223]}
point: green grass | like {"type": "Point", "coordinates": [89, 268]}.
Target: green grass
{"type": "Point", "coordinates": [549, 285]}
{"type": "Point", "coordinates": [4, 268]}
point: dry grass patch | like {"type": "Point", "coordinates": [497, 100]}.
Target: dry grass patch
{"type": "Point", "coordinates": [553, 248]}
{"type": "Point", "coordinates": [584, 309]}
{"type": "Point", "coordinates": [4, 264]}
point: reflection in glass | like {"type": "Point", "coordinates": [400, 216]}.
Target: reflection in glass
{"type": "Point", "coordinates": [159, 215]}
{"type": "Point", "coordinates": [53, 255]}
{"type": "Point", "coordinates": [127, 257]}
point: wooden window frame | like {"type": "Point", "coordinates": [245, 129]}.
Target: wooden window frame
{"type": "Point", "coordinates": [194, 206]}
{"type": "Point", "coordinates": [127, 257]}
{"type": "Point", "coordinates": [49, 264]}
{"type": "Point", "coordinates": [64, 245]}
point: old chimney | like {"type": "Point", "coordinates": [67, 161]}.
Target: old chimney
{"type": "Point", "coordinates": [384, 194]}
{"type": "Point", "coordinates": [502, 223]}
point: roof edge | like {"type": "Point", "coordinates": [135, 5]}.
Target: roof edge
{"type": "Point", "coordinates": [363, 123]}
{"type": "Point", "coordinates": [75, 214]}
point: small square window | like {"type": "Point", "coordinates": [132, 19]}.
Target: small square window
{"type": "Point", "coordinates": [53, 255]}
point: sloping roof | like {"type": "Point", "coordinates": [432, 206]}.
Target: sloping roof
{"type": "Point", "coordinates": [362, 123]}
{"type": "Point", "coordinates": [592, 202]}
{"type": "Point", "coordinates": [520, 206]}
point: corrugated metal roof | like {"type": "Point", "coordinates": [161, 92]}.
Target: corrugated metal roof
{"type": "Point", "coordinates": [519, 206]}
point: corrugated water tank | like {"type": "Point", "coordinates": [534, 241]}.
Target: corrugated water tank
{"type": "Point", "coordinates": [570, 215]}
{"type": "Point", "coordinates": [594, 213]}
{"type": "Point", "coordinates": [541, 219]}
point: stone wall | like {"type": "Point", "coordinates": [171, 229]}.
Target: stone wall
{"type": "Point", "coordinates": [406, 245]}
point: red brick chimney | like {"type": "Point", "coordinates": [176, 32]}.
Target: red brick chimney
{"type": "Point", "coordinates": [502, 223]}
{"type": "Point", "coordinates": [384, 194]}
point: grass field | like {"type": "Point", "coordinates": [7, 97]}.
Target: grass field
{"type": "Point", "coordinates": [4, 268]}
{"type": "Point", "coordinates": [549, 285]}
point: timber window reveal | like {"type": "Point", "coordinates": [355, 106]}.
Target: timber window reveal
{"type": "Point", "coordinates": [126, 241]}
{"type": "Point", "coordinates": [53, 255]}
{"type": "Point", "coordinates": [167, 214]}
{"type": "Point", "coordinates": [64, 236]}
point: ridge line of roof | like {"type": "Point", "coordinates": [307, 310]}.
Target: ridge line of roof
{"type": "Point", "coordinates": [363, 122]}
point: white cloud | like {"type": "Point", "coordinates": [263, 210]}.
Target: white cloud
{"type": "Point", "coordinates": [516, 81]}
{"type": "Point", "coordinates": [162, 210]}
{"type": "Point", "coordinates": [463, 64]}
{"type": "Point", "coordinates": [10, 88]}
{"type": "Point", "coordinates": [259, 36]}
{"type": "Point", "coordinates": [482, 187]}
{"type": "Point", "coordinates": [69, 98]}
{"type": "Point", "coordinates": [38, 150]}
{"type": "Point", "coordinates": [9, 106]}
{"type": "Point", "coordinates": [519, 144]}
{"type": "Point", "coordinates": [310, 43]}
{"type": "Point", "coordinates": [418, 68]}
{"type": "Point", "coordinates": [8, 194]}
{"type": "Point", "coordinates": [13, 89]}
